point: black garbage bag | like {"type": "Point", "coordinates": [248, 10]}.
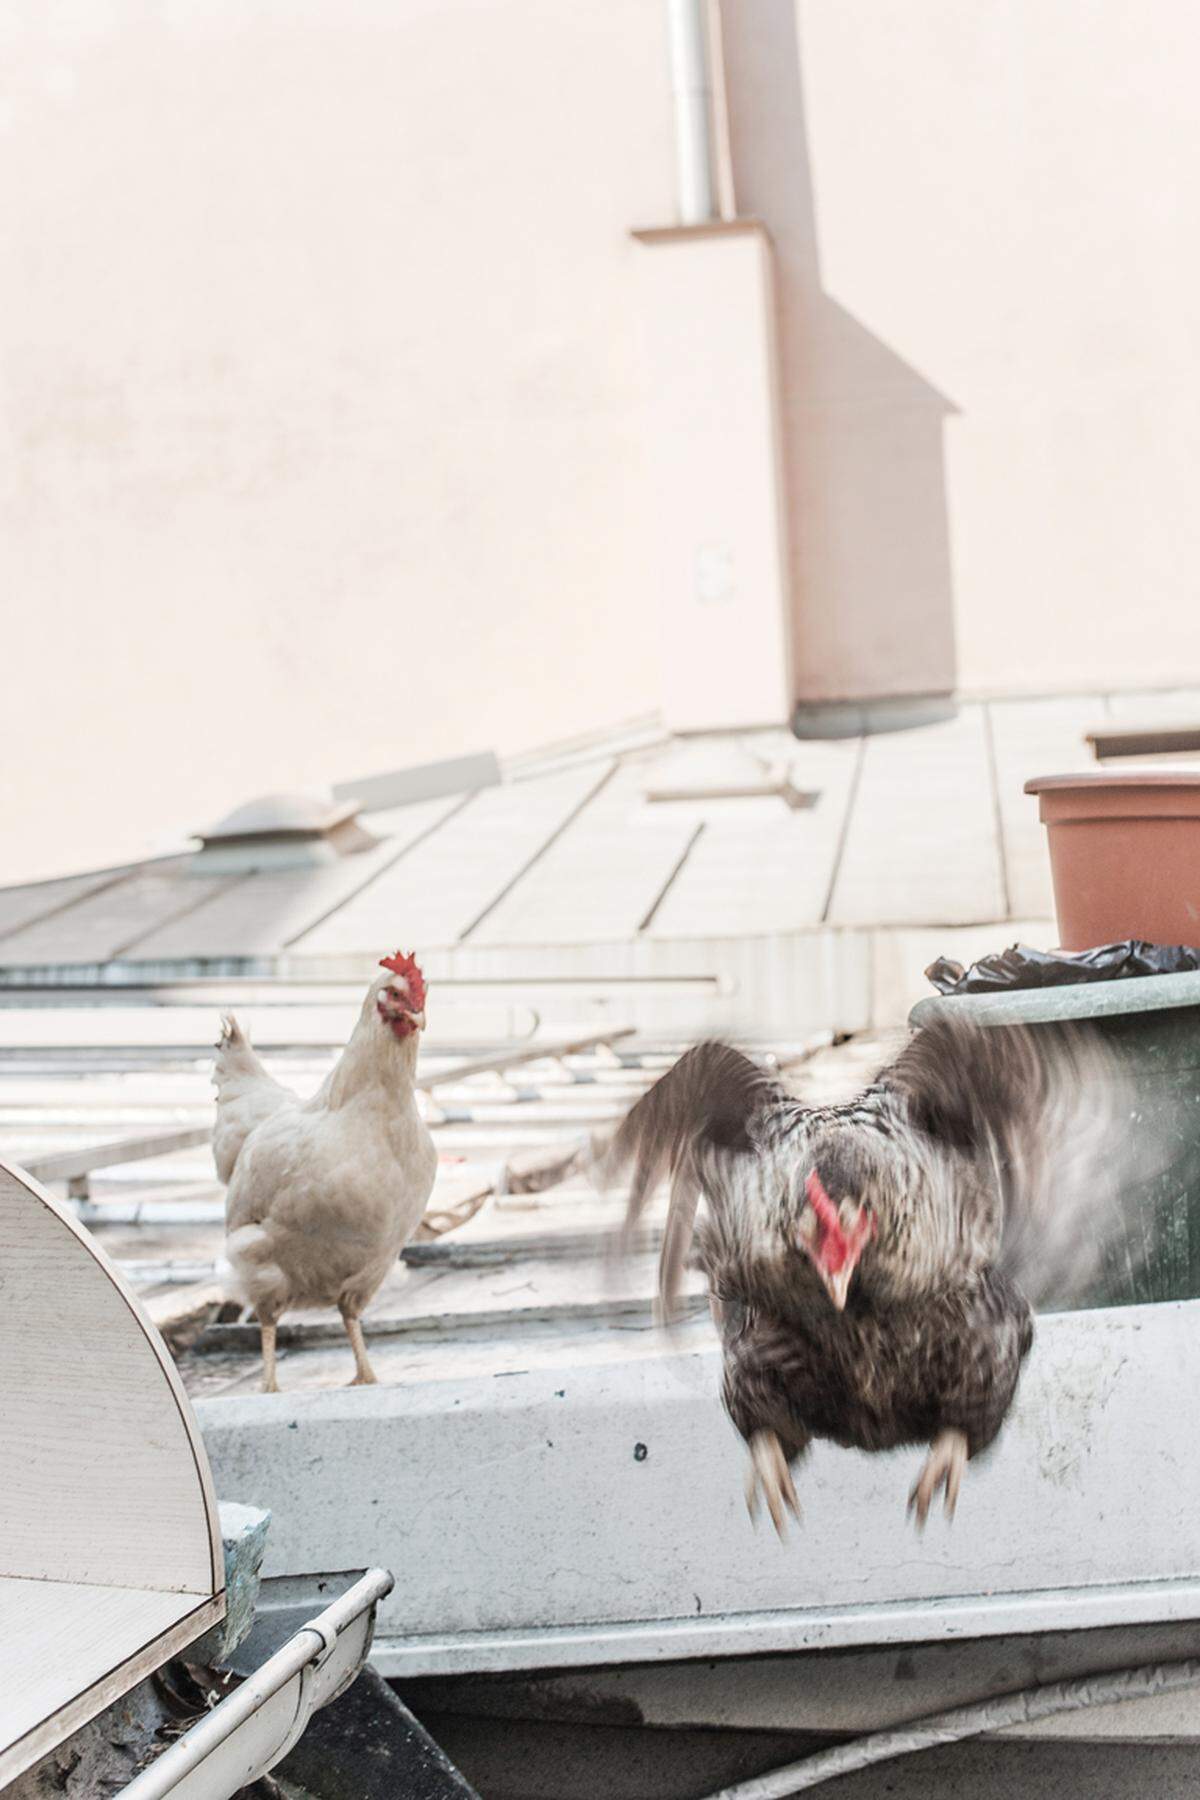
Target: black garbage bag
{"type": "Point", "coordinates": [1021, 967]}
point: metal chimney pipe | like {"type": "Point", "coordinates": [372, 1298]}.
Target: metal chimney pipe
{"type": "Point", "coordinates": [691, 86]}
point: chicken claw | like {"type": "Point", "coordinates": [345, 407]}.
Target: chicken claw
{"type": "Point", "coordinates": [769, 1472]}
{"type": "Point", "coordinates": [944, 1465]}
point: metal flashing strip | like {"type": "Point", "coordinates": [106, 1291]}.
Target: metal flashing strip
{"type": "Point", "coordinates": [748, 1634]}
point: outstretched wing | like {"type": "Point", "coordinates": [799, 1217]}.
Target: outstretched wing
{"type": "Point", "coordinates": [1045, 1107]}
{"type": "Point", "coordinates": [694, 1124]}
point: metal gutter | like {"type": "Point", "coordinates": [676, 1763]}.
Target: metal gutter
{"type": "Point", "coordinates": [256, 1725]}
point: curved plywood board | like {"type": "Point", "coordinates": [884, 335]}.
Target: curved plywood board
{"type": "Point", "coordinates": [110, 1548]}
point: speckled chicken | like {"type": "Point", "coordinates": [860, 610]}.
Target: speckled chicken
{"type": "Point", "coordinates": [872, 1266]}
{"type": "Point", "coordinates": [324, 1193]}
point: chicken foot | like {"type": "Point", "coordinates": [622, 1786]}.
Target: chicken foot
{"type": "Point", "coordinates": [769, 1474]}
{"type": "Point", "coordinates": [364, 1375]}
{"type": "Point", "coordinates": [943, 1467]}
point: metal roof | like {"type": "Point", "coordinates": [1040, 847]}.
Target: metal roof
{"type": "Point", "coordinates": [574, 869]}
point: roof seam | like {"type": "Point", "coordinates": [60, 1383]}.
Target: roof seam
{"type": "Point", "coordinates": [451, 812]}
{"type": "Point", "coordinates": [844, 834]}
{"type": "Point", "coordinates": [673, 876]}
{"type": "Point", "coordinates": [182, 912]}
{"type": "Point", "coordinates": [989, 741]}
{"type": "Point", "coordinates": [52, 912]}
{"type": "Point", "coordinates": [543, 848]}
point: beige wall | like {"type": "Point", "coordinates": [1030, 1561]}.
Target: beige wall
{"type": "Point", "coordinates": [720, 539]}
{"type": "Point", "coordinates": [324, 410]}
{"type": "Point", "coordinates": [985, 220]}
{"type": "Point", "coordinates": [327, 443]}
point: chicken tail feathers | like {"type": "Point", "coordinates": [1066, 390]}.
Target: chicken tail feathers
{"type": "Point", "coordinates": [246, 1094]}
{"type": "Point", "coordinates": [236, 1062]}
{"type": "Point", "coordinates": [707, 1098]}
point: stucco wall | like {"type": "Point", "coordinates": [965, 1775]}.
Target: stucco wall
{"type": "Point", "coordinates": [325, 431]}
{"type": "Point", "coordinates": [323, 404]}
{"type": "Point", "coordinates": [990, 331]}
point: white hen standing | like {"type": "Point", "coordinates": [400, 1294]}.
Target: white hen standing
{"type": "Point", "coordinates": [324, 1193]}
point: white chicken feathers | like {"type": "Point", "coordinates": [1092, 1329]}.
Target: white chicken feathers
{"type": "Point", "coordinates": [323, 1194]}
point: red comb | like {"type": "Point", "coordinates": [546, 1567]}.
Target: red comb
{"type": "Point", "coordinates": [834, 1246]}
{"type": "Point", "coordinates": [399, 964]}
{"type": "Point", "coordinates": [822, 1205]}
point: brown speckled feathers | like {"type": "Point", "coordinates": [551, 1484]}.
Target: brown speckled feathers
{"type": "Point", "coordinates": [990, 1162]}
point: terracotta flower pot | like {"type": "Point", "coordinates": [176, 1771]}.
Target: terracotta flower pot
{"type": "Point", "coordinates": [1124, 854]}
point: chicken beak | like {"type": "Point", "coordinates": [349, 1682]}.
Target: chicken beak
{"type": "Point", "coordinates": [837, 1284]}
{"type": "Point", "coordinates": [418, 1020]}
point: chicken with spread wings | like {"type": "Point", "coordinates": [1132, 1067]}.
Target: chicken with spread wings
{"type": "Point", "coordinates": [872, 1267]}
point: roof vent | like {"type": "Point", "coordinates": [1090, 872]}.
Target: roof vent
{"type": "Point", "coordinates": [282, 831]}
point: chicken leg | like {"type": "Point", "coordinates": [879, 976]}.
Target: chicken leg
{"type": "Point", "coordinates": [266, 1329]}
{"type": "Point", "coordinates": [769, 1472]}
{"type": "Point", "coordinates": [364, 1375]}
{"type": "Point", "coordinates": [943, 1467]}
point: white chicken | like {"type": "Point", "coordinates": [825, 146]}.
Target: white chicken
{"type": "Point", "coordinates": [323, 1194]}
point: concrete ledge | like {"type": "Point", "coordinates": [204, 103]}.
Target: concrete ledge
{"type": "Point", "coordinates": [482, 1491]}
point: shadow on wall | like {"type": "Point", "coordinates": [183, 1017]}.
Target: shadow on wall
{"type": "Point", "coordinates": [864, 453]}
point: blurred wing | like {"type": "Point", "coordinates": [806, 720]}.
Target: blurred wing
{"type": "Point", "coordinates": [1048, 1108]}
{"type": "Point", "coordinates": [696, 1116]}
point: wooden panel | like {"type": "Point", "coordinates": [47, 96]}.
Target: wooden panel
{"type": "Point", "coordinates": [107, 921]}
{"type": "Point", "coordinates": [758, 866]}
{"type": "Point", "coordinates": [535, 1050]}
{"type": "Point", "coordinates": [603, 875]}
{"type": "Point", "coordinates": [1035, 737]}
{"type": "Point", "coordinates": [67, 1651]}
{"type": "Point", "coordinates": [260, 914]}
{"type": "Point", "coordinates": [435, 893]}
{"type": "Point", "coordinates": [105, 1477]}
{"type": "Point", "coordinates": [1147, 743]}
{"type": "Point", "coordinates": [922, 845]}
{"type": "Point", "coordinates": [60, 1165]}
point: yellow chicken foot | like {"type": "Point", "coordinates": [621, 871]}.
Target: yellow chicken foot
{"type": "Point", "coordinates": [364, 1374]}
{"type": "Point", "coordinates": [944, 1465]}
{"type": "Point", "coordinates": [769, 1473]}
{"type": "Point", "coordinates": [267, 1333]}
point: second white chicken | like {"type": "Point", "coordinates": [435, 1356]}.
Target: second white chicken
{"type": "Point", "coordinates": [323, 1194]}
